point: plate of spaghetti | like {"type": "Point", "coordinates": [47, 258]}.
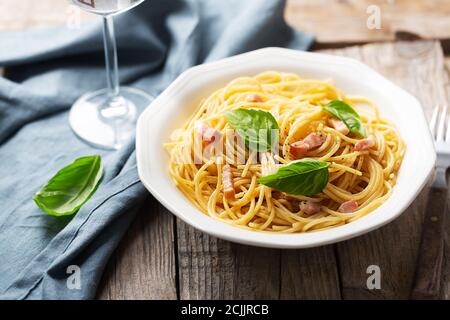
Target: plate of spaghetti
{"type": "Point", "coordinates": [287, 149]}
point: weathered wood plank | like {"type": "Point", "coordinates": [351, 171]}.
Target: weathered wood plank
{"type": "Point", "coordinates": [143, 266]}
{"type": "Point", "coordinates": [346, 21]}
{"type": "Point", "coordinates": [211, 268]}
{"type": "Point", "coordinates": [310, 274]}
{"type": "Point", "coordinates": [419, 68]}
{"type": "Point", "coordinates": [445, 281]}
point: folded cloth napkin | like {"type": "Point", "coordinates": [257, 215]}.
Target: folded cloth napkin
{"type": "Point", "coordinates": [47, 70]}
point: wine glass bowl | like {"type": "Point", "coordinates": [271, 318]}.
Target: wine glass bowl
{"type": "Point", "coordinates": [106, 118]}
{"type": "Point", "coordinates": [107, 7]}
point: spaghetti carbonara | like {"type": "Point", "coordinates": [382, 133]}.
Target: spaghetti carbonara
{"type": "Point", "coordinates": [279, 153]}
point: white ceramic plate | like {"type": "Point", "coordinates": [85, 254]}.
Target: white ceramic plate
{"type": "Point", "coordinates": [180, 99]}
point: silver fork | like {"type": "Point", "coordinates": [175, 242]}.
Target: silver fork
{"type": "Point", "coordinates": [440, 129]}
{"type": "Point", "coordinates": [429, 265]}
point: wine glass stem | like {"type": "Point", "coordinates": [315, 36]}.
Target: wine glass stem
{"type": "Point", "coordinates": [112, 69]}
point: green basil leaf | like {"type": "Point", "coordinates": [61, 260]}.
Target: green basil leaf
{"type": "Point", "coordinates": [346, 114]}
{"type": "Point", "coordinates": [305, 177]}
{"type": "Point", "coordinates": [255, 127]}
{"type": "Point", "coordinates": [70, 187]}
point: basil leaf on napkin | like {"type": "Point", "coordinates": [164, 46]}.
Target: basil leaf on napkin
{"type": "Point", "coordinates": [258, 128]}
{"type": "Point", "coordinates": [346, 114]}
{"type": "Point", "coordinates": [70, 187]}
{"type": "Point", "coordinates": [305, 177]}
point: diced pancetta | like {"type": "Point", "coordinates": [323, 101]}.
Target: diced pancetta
{"type": "Point", "coordinates": [312, 141]}
{"type": "Point", "coordinates": [365, 144]}
{"type": "Point", "coordinates": [315, 139]}
{"type": "Point", "coordinates": [208, 134]}
{"type": "Point", "coordinates": [338, 125]}
{"type": "Point", "coordinates": [227, 182]}
{"type": "Point", "coordinates": [278, 195]}
{"type": "Point", "coordinates": [348, 206]}
{"type": "Point", "coordinates": [254, 98]}
{"type": "Point", "coordinates": [309, 207]}
{"type": "Point", "coordinates": [299, 149]}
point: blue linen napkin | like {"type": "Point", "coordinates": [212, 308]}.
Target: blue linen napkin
{"type": "Point", "coordinates": [47, 71]}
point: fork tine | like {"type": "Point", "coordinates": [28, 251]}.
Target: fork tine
{"type": "Point", "coordinates": [433, 121]}
{"type": "Point", "coordinates": [441, 125]}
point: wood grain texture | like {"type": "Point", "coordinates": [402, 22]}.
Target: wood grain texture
{"type": "Point", "coordinates": [210, 268]}
{"type": "Point", "coordinates": [419, 68]}
{"type": "Point", "coordinates": [143, 266]}
{"type": "Point", "coordinates": [346, 20]}
{"type": "Point", "coordinates": [427, 280]}
{"type": "Point", "coordinates": [310, 274]}
{"type": "Point", "coordinates": [445, 281]}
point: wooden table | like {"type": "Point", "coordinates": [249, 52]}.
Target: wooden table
{"type": "Point", "coordinates": [345, 21]}
{"type": "Point", "coordinates": [161, 257]}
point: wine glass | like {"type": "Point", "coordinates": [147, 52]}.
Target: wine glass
{"type": "Point", "coordinates": [106, 118]}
